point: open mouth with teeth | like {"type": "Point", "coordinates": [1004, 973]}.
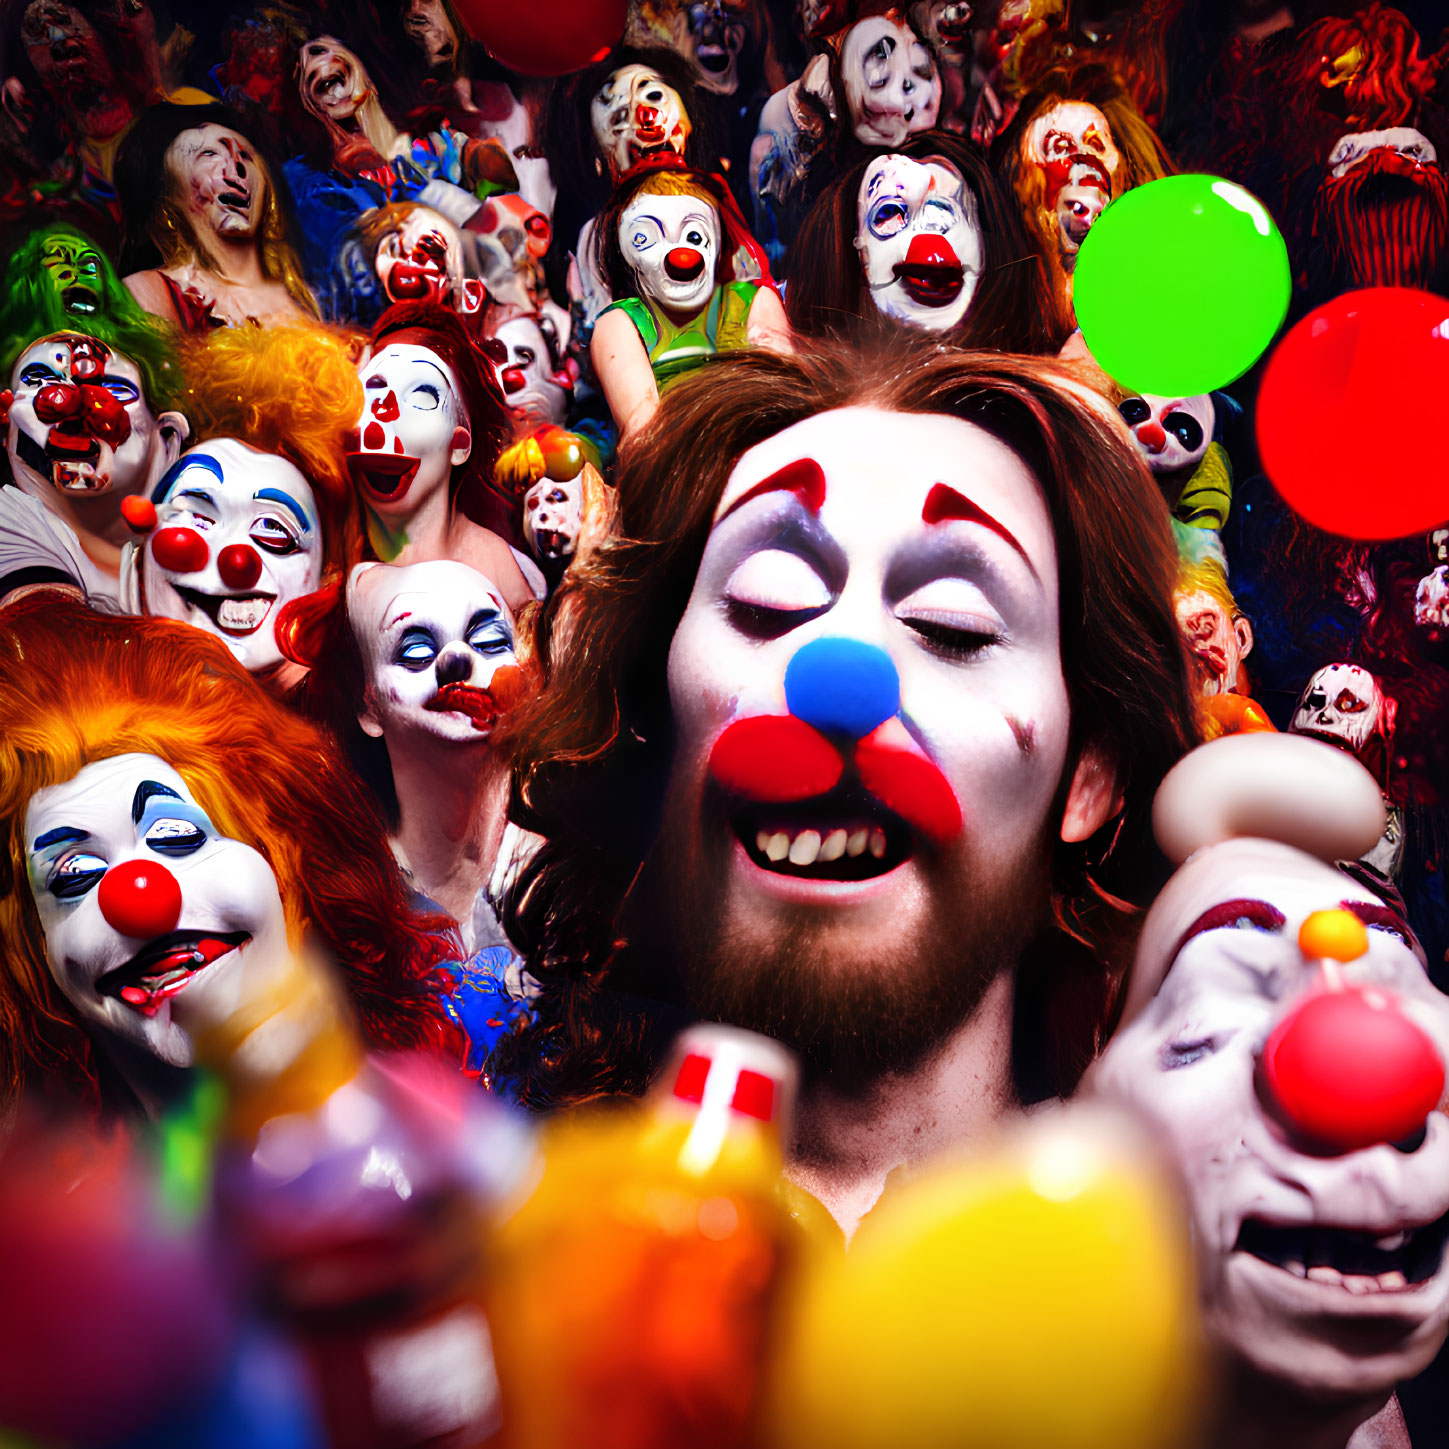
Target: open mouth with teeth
{"type": "Point", "coordinates": [79, 301]}
{"type": "Point", "coordinates": [1358, 1262]}
{"type": "Point", "coordinates": [165, 966]}
{"type": "Point", "coordinates": [553, 544]}
{"type": "Point", "coordinates": [234, 614]}
{"type": "Point", "coordinates": [384, 475]}
{"type": "Point", "coordinates": [236, 200]}
{"type": "Point", "coordinates": [71, 467]}
{"type": "Point", "coordinates": [931, 286]}
{"type": "Point", "coordinates": [842, 836]}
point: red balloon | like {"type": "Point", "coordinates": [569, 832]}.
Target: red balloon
{"type": "Point", "coordinates": [1348, 1070]}
{"type": "Point", "coordinates": [1336, 425]}
{"type": "Point", "coordinates": [545, 39]}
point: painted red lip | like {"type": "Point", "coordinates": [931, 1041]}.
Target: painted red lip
{"type": "Point", "coordinates": [166, 966]}
{"type": "Point", "coordinates": [384, 475]}
{"type": "Point", "coordinates": [932, 273]}
{"type": "Point", "coordinates": [409, 282]}
{"type": "Point", "coordinates": [478, 704]}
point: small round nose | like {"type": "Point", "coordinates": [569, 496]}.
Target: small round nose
{"type": "Point", "coordinates": [57, 401]}
{"type": "Point", "coordinates": [1151, 436]}
{"type": "Point", "coordinates": [239, 565]}
{"type": "Point", "coordinates": [683, 264]}
{"type": "Point", "coordinates": [513, 379]}
{"type": "Point", "coordinates": [179, 550]}
{"type": "Point", "coordinates": [842, 685]}
{"type": "Point", "coordinates": [454, 664]}
{"type": "Point", "coordinates": [140, 898]}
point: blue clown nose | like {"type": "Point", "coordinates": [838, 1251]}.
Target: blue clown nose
{"type": "Point", "coordinates": [842, 686]}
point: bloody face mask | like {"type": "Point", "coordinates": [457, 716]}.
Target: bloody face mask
{"type": "Point", "coordinates": [1345, 705]}
{"type": "Point", "coordinates": [217, 181]}
{"type": "Point", "coordinates": [1081, 168]}
{"type": "Point", "coordinates": [423, 261]}
{"type": "Point", "coordinates": [634, 114]}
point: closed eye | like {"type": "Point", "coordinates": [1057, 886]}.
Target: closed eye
{"type": "Point", "coordinates": [1184, 1051]}
{"type": "Point", "coordinates": [416, 650]}
{"type": "Point", "coordinates": [951, 640]}
{"type": "Point", "coordinates": [175, 837]}
{"type": "Point", "coordinates": [425, 397]}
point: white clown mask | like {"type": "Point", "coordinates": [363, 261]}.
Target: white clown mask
{"type": "Point", "coordinates": [919, 239]}
{"type": "Point", "coordinates": [238, 536]}
{"type": "Point", "coordinates": [1346, 706]}
{"type": "Point", "coordinates": [1172, 433]}
{"type": "Point", "coordinates": [532, 390]}
{"type": "Point", "coordinates": [635, 113]}
{"type": "Point", "coordinates": [141, 897]}
{"type": "Point", "coordinates": [671, 244]}
{"type": "Point", "coordinates": [553, 514]}
{"type": "Point", "coordinates": [892, 86]}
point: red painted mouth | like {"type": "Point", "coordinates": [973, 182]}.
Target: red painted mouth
{"type": "Point", "coordinates": [409, 282]}
{"type": "Point", "coordinates": [931, 274]}
{"type": "Point", "coordinates": [478, 704]}
{"type": "Point", "coordinates": [384, 475]}
{"type": "Point", "coordinates": [167, 965]}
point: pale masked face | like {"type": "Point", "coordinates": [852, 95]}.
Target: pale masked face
{"type": "Point", "coordinates": [218, 181]}
{"type": "Point", "coordinates": [238, 537]}
{"type": "Point", "coordinates": [671, 244]}
{"type": "Point", "coordinates": [136, 808]}
{"type": "Point", "coordinates": [1321, 1271]}
{"type": "Point", "coordinates": [529, 386]}
{"type": "Point", "coordinates": [1081, 167]}
{"type": "Point", "coordinates": [80, 426]}
{"type": "Point", "coordinates": [552, 517]}
{"type": "Point", "coordinates": [413, 430]}
{"type": "Point", "coordinates": [433, 636]}
{"type": "Point", "coordinates": [1344, 705]}
{"type": "Point", "coordinates": [635, 113]}
{"type": "Point", "coordinates": [1218, 639]}
{"type": "Point", "coordinates": [1172, 433]}
{"type": "Point", "coordinates": [422, 260]}
{"type": "Point", "coordinates": [892, 86]}
{"type": "Point", "coordinates": [513, 236]}
{"type": "Point", "coordinates": [331, 79]}
{"type": "Point", "coordinates": [919, 241]}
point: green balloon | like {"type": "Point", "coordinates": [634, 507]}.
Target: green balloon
{"type": "Point", "coordinates": [1181, 285]}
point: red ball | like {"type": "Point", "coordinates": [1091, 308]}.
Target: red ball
{"type": "Point", "coordinates": [774, 758]}
{"type": "Point", "coordinates": [140, 898]}
{"type": "Point", "coordinates": [239, 565]}
{"type": "Point", "coordinates": [139, 513]}
{"type": "Point", "coordinates": [550, 39]}
{"type": "Point", "coordinates": [1336, 426]}
{"type": "Point", "coordinates": [1347, 1069]}
{"type": "Point", "coordinates": [179, 550]}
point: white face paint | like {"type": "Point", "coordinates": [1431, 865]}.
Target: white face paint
{"type": "Point", "coordinates": [1172, 433]}
{"type": "Point", "coordinates": [671, 244]}
{"type": "Point", "coordinates": [60, 446]}
{"type": "Point", "coordinates": [552, 517]}
{"type": "Point", "coordinates": [1218, 639]}
{"type": "Point", "coordinates": [919, 240]}
{"type": "Point", "coordinates": [529, 388]}
{"type": "Point", "coordinates": [218, 181]}
{"type": "Point", "coordinates": [136, 808]}
{"type": "Point", "coordinates": [1319, 1271]}
{"type": "Point", "coordinates": [1346, 706]}
{"type": "Point", "coordinates": [413, 430]}
{"type": "Point", "coordinates": [1082, 169]}
{"type": "Point", "coordinates": [1412, 148]}
{"type": "Point", "coordinates": [635, 113]}
{"type": "Point", "coordinates": [892, 86]}
{"type": "Point", "coordinates": [238, 536]}
{"type": "Point", "coordinates": [433, 636]}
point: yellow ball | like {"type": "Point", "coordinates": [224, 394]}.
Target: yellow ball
{"type": "Point", "coordinates": [1336, 935]}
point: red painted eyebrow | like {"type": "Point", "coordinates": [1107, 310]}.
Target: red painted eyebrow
{"type": "Point", "coordinates": [804, 478]}
{"type": "Point", "coordinates": [943, 504]}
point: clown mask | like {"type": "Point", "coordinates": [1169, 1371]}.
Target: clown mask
{"type": "Point", "coordinates": [919, 241]}
{"type": "Point", "coordinates": [715, 34]}
{"type": "Point", "coordinates": [634, 114]}
{"type": "Point", "coordinates": [217, 182]}
{"type": "Point", "coordinates": [1172, 433]}
{"type": "Point", "coordinates": [513, 237]}
{"type": "Point", "coordinates": [80, 426]}
{"type": "Point", "coordinates": [552, 517]}
{"type": "Point", "coordinates": [436, 641]}
{"type": "Point", "coordinates": [141, 897]}
{"type": "Point", "coordinates": [892, 86]}
{"type": "Point", "coordinates": [238, 537]}
{"type": "Point", "coordinates": [1345, 705]}
{"type": "Point", "coordinates": [671, 244]}
{"type": "Point", "coordinates": [536, 395]}
{"type": "Point", "coordinates": [74, 271]}
{"type": "Point", "coordinates": [422, 261]}
{"type": "Point", "coordinates": [1081, 168]}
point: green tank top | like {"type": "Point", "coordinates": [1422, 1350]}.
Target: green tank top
{"type": "Point", "coordinates": [674, 351]}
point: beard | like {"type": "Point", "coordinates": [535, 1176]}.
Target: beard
{"type": "Point", "coordinates": [1382, 226]}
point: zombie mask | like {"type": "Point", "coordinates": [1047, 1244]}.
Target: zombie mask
{"type": "Point", "coordinates": [1346, 706]}
{"type": "Point", "coordinates": [534, 392]}
{"type": "Point", "coordinates": [437, 646]}
{"type": "Point", "coordinates": [671, 244]}
{"type": "Point", "coordinates": [716, 34]}
{"type": "Point", "coordinates": [141, 897]}
{"type": "Point", "coordinates": [238, 537]}
{"type": "Point", "coordinates": [552, 517]}
{"type": "Point", "coordinates": [919, 240]}
{"type": "Point", "coordinates": [413, 430]}
{"type": "Point", "coordinates": [422, 260]}
{"type": "Point", "coordinates": [428, 27]}
{"type": "Point", "coordinates": [74, 271]}
{"type": "Point", "coordinates": [1220, 639]}
{"type": "Point", "coordinates": [80, 425]}
{"type": "Point", "coordinates": [71, 60]}
{"type": "Point", "coordinates": [892, 86]}
{"type": "Point", "coordinates": [513, 236]}
{"type": "Point", "coordinates": [1081, 168]}
{"type": "Point", "coordinates": [1172, 433]}
{"type": "Point", "coordinates": [634, 114]}
{"type": "Point", "coordinates": [217, 182]}
{"type": "Point", "coordinates": [333, 82]}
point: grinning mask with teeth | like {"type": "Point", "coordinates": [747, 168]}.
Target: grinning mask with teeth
{"type": "Point", "coordinates": [74, 270]}
{"type": "Point", "coordinates": [80, 428]}
{"type": "Point", "coordinates": [237, 537]}
{"type": "Point", "coordinates": [119, 951]}
{"type": "Point", "coordinates": [919, 241]}
{"type": "Point", "coordinates": [552, 517]}
{"type": "Point", "coordinates": [333, 82]}
{"type": "Point", "coordinates": [217, 181]}
{"type": "Point", "coordinates": [892, 86]}
{"type": "Point", "coordinates": [1321, 1271]}
{"type": "Point", "coordinates": [1081, 169]}
{"type": "Point", "coordinates": [671, 244]}
{"type": "Point", "coordinates": [1344, 705]}
{"type": "Point", "coordinates": [436, 641]}
{"type": "Point", "coordinates": [634, 113]}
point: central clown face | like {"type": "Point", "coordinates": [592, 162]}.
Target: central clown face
{"type": "Point", "coordinates": [671, 244]}
{"type": "Point", "coordinates": [916, 551]}
{"type": "Point", "coordinates": [892, 86]}
{"type": "Point", "coordinates": [635, 113]}
{"type": "Point", "coordinates": [919, 241]}
{"type": "Point", "coordinates": [141, 897]}
{"type": "Point", "coordinates": [238, 537]}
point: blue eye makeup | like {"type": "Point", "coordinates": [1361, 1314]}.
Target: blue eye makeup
{"type": "Point", "coordinates": [173, 837]}
{"type": "Point", "coordinates": [416, 649]}
{"type": "Point", "coordinates": [75, 874]}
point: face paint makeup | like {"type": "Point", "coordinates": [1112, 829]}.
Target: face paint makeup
{"type": "Point", "coordinates": [1081, 168]}
{"type": "Point", "coordinates": [533, 391]}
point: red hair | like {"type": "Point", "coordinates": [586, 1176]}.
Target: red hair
{"type": "Point", "coordinates": [77, 686]}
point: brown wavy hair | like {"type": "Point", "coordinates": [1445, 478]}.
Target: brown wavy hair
{"type": "Point", "coordinates": [591, 754]}
{"type": "Point", "coordinates": [77, 686]}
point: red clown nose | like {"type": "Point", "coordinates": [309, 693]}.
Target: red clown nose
{"type": "Point", "coordinates": [683, 264]}
{"type": "Point", "coordinates": [140, 898]}
{"type": "Point", "coordinates": [239, 565]}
